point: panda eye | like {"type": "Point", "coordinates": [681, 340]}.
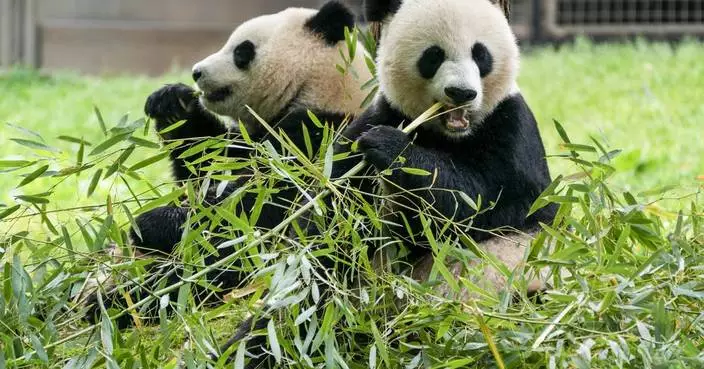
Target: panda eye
{"type": "Point", "coordinates": [430, 62]}
{"type": "Point", "coordinates": [244, 54]}
{"type": "Point", "coordinates": [483, 58]}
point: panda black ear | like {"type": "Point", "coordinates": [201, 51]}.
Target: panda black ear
{"type": "Point", "coordinates": [379, 10]}
{"type": "Point", "coordinates": [330, 22]}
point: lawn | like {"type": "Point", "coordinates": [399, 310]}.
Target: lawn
{"type": "Point", "coordinates": [631, 239]}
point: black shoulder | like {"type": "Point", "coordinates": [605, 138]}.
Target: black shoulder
{"type": "Point", "coordinates": [528, 151]}
{"type": "Point", "coordinates": [514, 106]}
{"type": "Point", "coordinates": [514, 120]}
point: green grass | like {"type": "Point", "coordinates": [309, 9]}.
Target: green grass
{"type": "Point", "coordinates": [643, 99]}
{"type": "Point", "coordinates": [633, 296]}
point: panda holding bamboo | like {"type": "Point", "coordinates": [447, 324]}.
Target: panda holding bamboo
{"type": "Point", "coordinates": [484, 143]}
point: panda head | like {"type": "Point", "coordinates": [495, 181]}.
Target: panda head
{"type": "Point", "coordinates": [280, 61]}
{"type": "Point", "coordinates": [461, 53]}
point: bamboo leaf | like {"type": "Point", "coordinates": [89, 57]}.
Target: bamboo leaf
{"type": "Point", "coordinates": [273, 341]}
{"type": "Point", "coordinates": [18, 164]}
{"type": "Point", "coordinates": [68, 243]}
{"type": "Point", "coordinates": [80, 155]}
{"type": "Point", "coordinates": [144, 143]}
{"type": "Point", "coordinates": [94, 182]}
{"type": "Point", "coordinates": [34, 145]}
{"type": "Point", "coordinates": [415, 171]}
{"type": "Point", "coordinates": [101, 121]}
{"type": "Point", "coordinates": [75, 140]}
{"type": "Point", "coordinates": [172, 127]}
{"type": "Point", "coordinates": [239, 356]}
{"type": "Point", "coordinates": [110, 142]}
{"type": "Point", "coordinates": [33, 199]}
{"type": "Point", "coordinates": [148, 161]}
{"type": "Point", "coordinates": [32, 176]}
{"type": "Point", "coordinates": [166, 199]}
{"type": "Point", "coordinates": [561, 131]}
{"type": "Point", "coordinates": [7, 212]}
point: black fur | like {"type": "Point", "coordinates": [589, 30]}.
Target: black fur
{"type": "Point", "coordinates": [483, 58]}
{"type": "Point", "coordinates": [330, 22]}
{"type": "Point", "coordinates": [430, 61]}
{"type": "Point", "coordinates": [503, 160]}
{"type": "Point", "coordinates": [379, 10]}
{"type": "Point", "coordinates": [244, 54]}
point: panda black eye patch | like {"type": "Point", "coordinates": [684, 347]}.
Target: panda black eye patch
{"type": "Point", "coordinates": [430, 62]}
{"type": "Point", "coordinates": [244, 54]}
{"type": "Point", "coordinates": [483, 58]}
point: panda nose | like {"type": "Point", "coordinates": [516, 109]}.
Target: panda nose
{"type": "Point", "coordinates": [197, 73]}
{"type": "Point", "coordinates": [460, 95]}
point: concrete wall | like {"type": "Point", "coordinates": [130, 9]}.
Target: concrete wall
{"type": "Point", "coordinates": [140, 36]}
{"type": "Point", "coordinates": [153, 36]}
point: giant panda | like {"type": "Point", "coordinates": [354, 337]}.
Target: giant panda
{"type": "Point", "coordinates": [485, 142]}
{"type": "Point", "coordinates": [280, 65]}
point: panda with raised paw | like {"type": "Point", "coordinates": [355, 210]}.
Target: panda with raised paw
{"type": "Point", "coordinates": [282, 66]}
{"type": "Point", "coordinates": [484, 142]}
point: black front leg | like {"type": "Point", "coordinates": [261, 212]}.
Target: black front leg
{"type": "Point", "coordinates": [178, 102]}
{"type": "Point", "coordinates": [159, 230]}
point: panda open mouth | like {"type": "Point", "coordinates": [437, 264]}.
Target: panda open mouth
{"type": "Point", "coordinates": [218, 95]}
{"type": "Point", "coordinates": [457, 119]}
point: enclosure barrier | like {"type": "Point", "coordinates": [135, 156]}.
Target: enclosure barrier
{"type": "Point", "coordinates": [523, 18]}
{"type": "Point", "coordinates": [139, 36]}
{"type": "Point", "coordinates": [606, 18]}
{"type": "Point", "coordinates": [18, 36]}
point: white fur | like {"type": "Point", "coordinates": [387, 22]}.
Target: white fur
{"type": "Point", "coordinates": [290, 61]}
{"type": "Point", "coordinates": [455, 26]}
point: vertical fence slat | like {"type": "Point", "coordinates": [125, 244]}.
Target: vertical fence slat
{"type": "Point", "coordinates": [29, 50]}
{"type": "Point", "coordinates": [5, 32]}
{"type": "Point", "coordinates": [18, 32]}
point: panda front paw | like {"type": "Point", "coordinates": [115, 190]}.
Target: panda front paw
{"type": "Point", "coordinates": [381, 145]}
{"type": "Point", "coordinates": [170, 104]}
